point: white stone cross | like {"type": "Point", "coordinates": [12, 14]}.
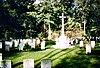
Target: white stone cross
{"type": "Point", "coordinates": [62, 23]}
{"type": "Point", "coordinates": [84, 27]}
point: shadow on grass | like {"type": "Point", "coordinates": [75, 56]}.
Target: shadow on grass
{"type": "Point", "coordinates": [96, 65]}
{"type": "Point", "coordinates": [17, 65]}
{"type": "Point", "coordinates": [53, 55]}
{"type": "Point", "coordinates": [79, 61]}
{"type": "Point", "coordinates": [13, 51]}
{"type": "Point", "coordinates": [95, 52]}
{"type": "Point", "coordinates": [73, 63]}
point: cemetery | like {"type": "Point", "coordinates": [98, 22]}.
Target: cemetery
{"type": "Point", "coordinates": [49, 34]}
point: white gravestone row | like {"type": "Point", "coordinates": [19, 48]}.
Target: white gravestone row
{"type": "Point", "coordinates": [8, 44]}
{"type": "Point", "coordinates": [31, 43]}
{"type": "Point", "coordinates": [22, 44]}
{"type": "Point", "coordinates": [40, 43]}
{"type": "Point", "coordinates": [27, 63]}
{"type": "Point", "coordinates": [88, 46]}
{"type": "Point", "coordinates": [16, 42]}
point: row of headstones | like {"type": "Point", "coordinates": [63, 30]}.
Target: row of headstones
{"type": "Point", "coordinates": [87, 46]}
{"type": "Point", "coordinates": [27, 63]}
{"type": "Point", "coordinates": [95, 38]}
{"type": "Point", "coordinates": [77, 40]}
{"type": "Point", "coordinates": [20, 43]}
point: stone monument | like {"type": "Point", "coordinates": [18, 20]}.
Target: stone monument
{"type": "Point", "coordinates": [62, 42]}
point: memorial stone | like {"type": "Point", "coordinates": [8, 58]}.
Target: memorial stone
{"type": "Point", "coordinates": [92, 44]}
{"type": "Point", "coordinates": [0, 60]}
{"type": "Point", "coordinates": [81, 44]}
{"type": "Point", "coordinates": [16, 42]}
{"type": "Point", "coordinates": [63, 41]}
{"type": "Point", "coordinates": [28, 63]}
{"type": "Point", "coordinates": [6, 64]}
{"type": "Point", "coordinates": [43, 44]}
{"type": "Point", "coordinates": [0, 45]}
{"type": "Point", "coordinates": [88, 48]}
{"type": "Point", "coordinates": [46, 63]}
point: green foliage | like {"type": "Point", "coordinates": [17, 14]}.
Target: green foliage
{"type": "Point", "coordinates": [28, 19]}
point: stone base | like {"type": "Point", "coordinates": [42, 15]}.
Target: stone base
{"type": "Point", "coordinates": [62, 42]}
{"type": "Point", "coordinates": [61, 47]}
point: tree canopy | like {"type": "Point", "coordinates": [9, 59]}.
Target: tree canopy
{"type": "Point", "coordinates": [23, 19]}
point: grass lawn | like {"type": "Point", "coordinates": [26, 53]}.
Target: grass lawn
{"type": "Point", "coordinates": [60, 58]}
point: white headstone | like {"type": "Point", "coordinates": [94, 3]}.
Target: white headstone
{"type": "Point", "coordinates": [21, 40]}
{"type": "Point", "coordinates": [88, 48]}
{"type": "Point", "coordinates": [72, 41]}
{"type": "Point", "coordinates": [92, 44]}
{"type": "Point", "coordinates": [6, 64]}
{"type": "Point", "coordinates": [0, 45]}
{"type": "Point", "coordinates": [0, 60]}
{"type": "Point", "coordinates": [21, 45]}
{"type": "Point", "coordinates": [31, 43]}
{"type": "Point", "coordinates": [43, 44]}
{"type": "Point", "coordinates": [10, 43]}
{"type": "Point", "coordinates": [38, 41]}
{"type": "Point", "coordinates": [7, 46]}
{"type": "Point", "coordinates": [34, 42]}
{"type": "Point", "coordinates": [28, 63]}
{"type": "Point", "coordinates": [81, 44]}
{"type": "Point", "coordinates": [46, 63]}
{"type": "Point", "coordinates": [76, 41]}
{"type": "Point", "coordinates": [16, 42]}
